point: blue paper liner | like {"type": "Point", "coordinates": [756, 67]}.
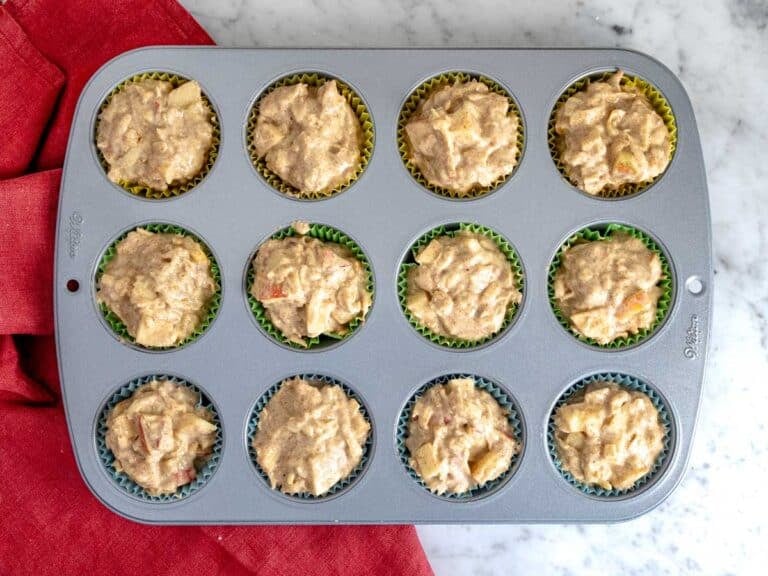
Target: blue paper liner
{"type": "Point", "coordinates": [121, 479]}
{"type": "Point", "coordinates": [340, 486]}
{"type": "Point", "coordinates": [630, 383]}
{"type": "Point", "coordinates": [504, 400]}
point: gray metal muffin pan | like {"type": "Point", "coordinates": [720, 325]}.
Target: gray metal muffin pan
{"type": "Point", "coordinates": [233, 210]}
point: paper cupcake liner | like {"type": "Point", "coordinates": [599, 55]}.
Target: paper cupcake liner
{"type": "Point", "coordinates": [657, 100]}
{"type": "Point", "coordinates": [121, 479]}
{"type": "Point", "coordinates": [602, 232]}
{"type": "Point", "coordinates": [422, 93]}
{"type": "Point", "coordinates": [178, 188]}
{"type": "Point", "coordinates": [504, 400]}
{"type": "Point", "coordinates": [326, 234]}
{"type": "Point", "coordinates": [450, 230]}
{"type": "Point", "coordinates": [119, 328]}
{"type": "Point", "coordinates": [340, 486]}
{"type": "Point", "coordinates": [316, 80]}
{"type": "Point", "coordinates": [630, 383]}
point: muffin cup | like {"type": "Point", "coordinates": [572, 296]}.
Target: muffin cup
{"type": "Point", "coordinates": [629, 383]}
{"type": "Point", "coordinates": [119, 328]}
{"type": "Point", "coordinates": [603, 232]}
{"type": "Point", "coordinates": [174, 189]}
{"type": "Point", "coordinates": [313, 79]}
{"type": "Point", "coordinates": [450, 230]}
{"type": "Point", "coordinates": [504, 401]}
{"type": "Point", "coordinates": [340, 486]}
{"type": "Point", "coordinates": [326, 234]}
{"type": "Point", "coordinates": [424, 91]}
{"type": "Point", "coordinates": [657, 100]}
{"type": "Point", "coordinates": [121, 479]}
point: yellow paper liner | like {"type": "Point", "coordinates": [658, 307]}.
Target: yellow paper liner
{"type": "Point", "coordinates": [423, 92]}
{"type": "Point", "coordinates": [176, 188]}
{"type": "Point", "coordinates": [316, 80]}
{"type": "Point", "coordinates": [657, 101]}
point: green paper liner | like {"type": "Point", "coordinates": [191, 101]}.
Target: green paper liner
{"type": "Point", "coordinates": [603, 232]}
{"type": "Point", "coordinates": [119, 328]}
{"type": "Point", "coordinates": [175, 189]}
{"type": "Point", "coordinates": [340, 486]}
{"type": "Point", "coordinates": [630, 383]}
{"type": "Point", "coordinates": [423, 92]}
{"type": "Point", "coordinates": [450, 230]}
{"type": "Point", "coordinates": [121, 479]}
{"type": "Point", "coordinates": [326, 234]}
{"type": "Point", "coordinates": [504, 400]}
{"type": "Point", "coordinates": [660, 105]}
{"type": "Point", "coordinates": [316, 80]}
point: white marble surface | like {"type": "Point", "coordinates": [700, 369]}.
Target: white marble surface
{"type": "Point", "coordinates": [715, 523]}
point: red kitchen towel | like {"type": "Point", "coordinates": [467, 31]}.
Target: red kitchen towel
{"type": "Point", "coordinates": [49, 521]}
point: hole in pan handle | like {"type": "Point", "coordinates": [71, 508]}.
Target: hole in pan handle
{"type": "Point", "coordinates": [695, 285]}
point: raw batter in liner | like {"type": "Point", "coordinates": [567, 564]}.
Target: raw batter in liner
{"type": "Point", "coordinates": [459, 437]}
{"type": "Point", "coordinates": [609, 436]}
{"type": "Point", "coordinates": [610, 135]}
{"type": "Point", "coordinates": [463, 136]}
{"type": "Point", "coordinates": [608, 289]}
{"type": "Point", "coordinates": [155, 135]}
{"type": "Point", "coordinates": [311, 138]}
{"type": "Point", "coordinates": [309, 287]}
{"type": "Point", "coordinates": [310, 436]}
{"type": "Point", "coordinates": [462, 286]}
{"type": "Point", "coordinates": [159, 285]}
{"type": "Point", "coordinates": [160, 437]}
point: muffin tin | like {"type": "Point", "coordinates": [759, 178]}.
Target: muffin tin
{"type": "Point", "coordinates": [233, 210]}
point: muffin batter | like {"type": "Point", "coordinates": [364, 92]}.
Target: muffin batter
{"type": "Point", "coordinates": [309, 287]}
{"type": "Point", "coordinates": [610, 135]}
{"type": "Point", "coordinates": [462, 286]}
{"type": "Point", "coordinates": [159, 285]}
{"type": "Point", "coordinates": [609, 437]}
{"type": "Point", "coordinates": [463, 136]}
{"type": "Point", "coordinates": [608, 289]}
{"type": "Point", "coordinates": [155, 135]}
{"type": "Point", "coordinates": [459, 437]}
{"type": "Point", "coordinates": [309, 136]}
{"type": "Point", "coordinates": [160, 437]}
{"type": "Point", "coordinates": [310, 436]}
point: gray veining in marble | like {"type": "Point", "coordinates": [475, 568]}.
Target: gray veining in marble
{"type": "Point", "coordinates": [715, 523]}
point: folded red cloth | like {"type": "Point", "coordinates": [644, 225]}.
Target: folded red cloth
{"type": "Point", "coordinates": [49, 521]}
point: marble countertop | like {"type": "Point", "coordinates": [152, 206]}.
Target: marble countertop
{"type": "Point", "coordinates": [715, 522]}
